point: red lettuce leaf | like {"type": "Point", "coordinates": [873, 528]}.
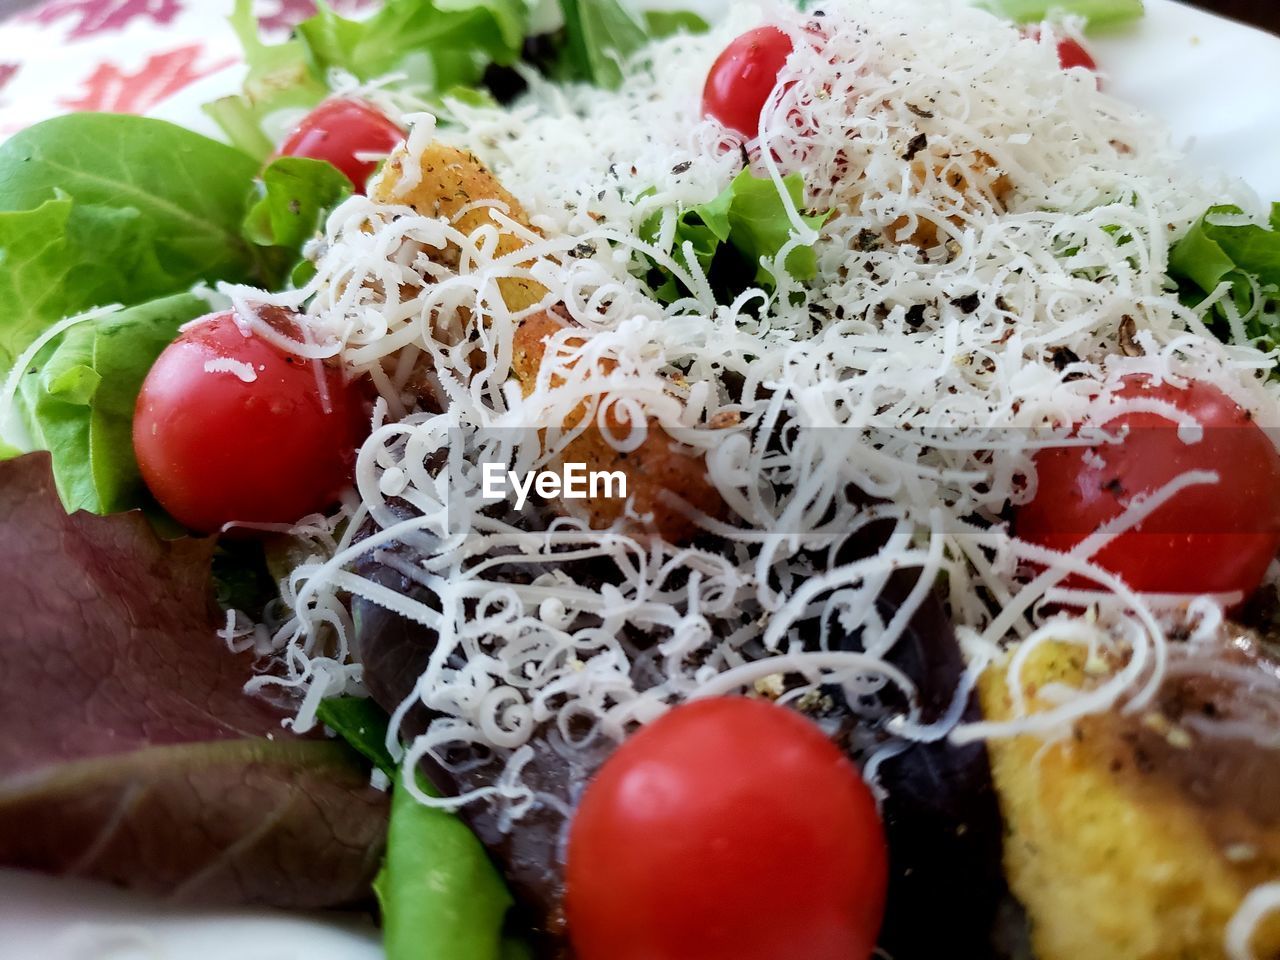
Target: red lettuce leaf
{"type": "Point", "coordinates": [128, 750]}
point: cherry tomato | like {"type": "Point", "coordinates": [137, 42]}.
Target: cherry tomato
{"type": "Point", "coordinates": [340, 131]}
{"type": "Point", "coordinates": [1071, 52]}
{"type": "Point", "coordinates": [742, 78]}
{"type": "Point", "coordinates": [1215, 538]}
{"type": "Point", "coordinates": [229, 427]}
{"type": "Point", "coordinates": [728, 829]}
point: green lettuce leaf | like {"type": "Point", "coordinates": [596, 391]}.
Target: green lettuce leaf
{"type": "Point", "coordinates": [363, 724]}
{"type": "Point", "coordinates": [78, 399]}
{"type": "Point", "coordinates": [60, 259]}
{"type": "Point", "coordinates": [1097, 14]}
{"type": "Point", "coordinates": [599, 34]}
{"type": "Point", "coordinates": [433, 45]}
{"type": "Point", "coordinates": [437, 44]}
{"type": "Point", "coordinates": [440, 894]}
{"type": "Point", "coordinates": [734, 235]}
{"type": "Point", "coordinates": [664, 23]}
{"type": "Point", "coordinates": [1213, 253]}
{"type": "Point", "coordinates": [293, 197]}
{"type": "Point", "coordinates": [102, 208]}
{"type": "Point", "coordinates": [280, 78]}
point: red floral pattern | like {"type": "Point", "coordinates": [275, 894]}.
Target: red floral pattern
{"type": "Point", "coordinates": [7, 70]}
{"type": "Point", "coordinates": [114, 90]}
{"type": "Point", "coordinates": [96, 16]}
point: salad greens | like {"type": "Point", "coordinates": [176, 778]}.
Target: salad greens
{"type": "Point", "coordinates": [441, 895]}
{"type": "Point", "coordinates": [1223, 248]}
{"type": "Point", "coordinates": [1097, 14]}
{"type": "Point", "coordinates": [363, 724]}
{"type": "Point", "coordinates": [79, 400]}
{"type": "Point", "coordinates": [596, 37]}
{"type": "Point", "coordinates": [599, 34]}
{"type": "Point", "coordinates": [731, 235]}
{"type": "Point", "coordinates": [294, 195]}
{"type": "Point", "coordinates": [432, 46]}
{"type": "Point", "coordinates": [126, 726]}
{"type": "Point", "coordinates": [279, 78]}
{"type": "Point", "coordinates": [103, 208]}
{"type": "Point", "coordinates": [96, 208]}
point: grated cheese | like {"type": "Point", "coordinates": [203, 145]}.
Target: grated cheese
{"type": "Point", "coordinates": [926, 377]}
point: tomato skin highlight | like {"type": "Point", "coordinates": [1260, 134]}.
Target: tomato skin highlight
{"type": "Point", "coordinates": [743, 76]}
{"type": "Point", "coordinates": [728, 829]}
{"type": "Point", "coordinates": [1208, 538]}
{"type": "Point", "coordinates": [337, 131]}
{"type": "Point", "coordinates": [214, 449]}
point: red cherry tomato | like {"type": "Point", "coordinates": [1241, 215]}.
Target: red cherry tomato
{"type": "Point", "coordinates": [742, 78]}
{"type": "Point", "coordinates": [1071, 52]}
{"type": "Point", "coordinates": [340, 131]}
{"type": "Point", "coordinates": [1209, 538]}
{"type": "Point", "coordinates": [214, 448]}
{"type": "Point", "coordinates": [729, 829]}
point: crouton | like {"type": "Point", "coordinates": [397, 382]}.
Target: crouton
{"type": "Point", "coordinates": [452, 181]}
{"type": "Point", "coordinates": [1113, 844]}
{"type": "Point", "coordinates": [657, 465]}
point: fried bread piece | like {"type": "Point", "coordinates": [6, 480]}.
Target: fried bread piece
{"type": "Point", "coordinates": [1133, 839]}
{"type": "Point", "coordinates": [656, 466]}
{"type": "Point", "coordinates": [452, 181]}
{"type": "Point", "coordinates": [982, 179]}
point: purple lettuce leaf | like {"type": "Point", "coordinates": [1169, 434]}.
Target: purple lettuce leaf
{"type": "Point", "coordinates": [128, 749]}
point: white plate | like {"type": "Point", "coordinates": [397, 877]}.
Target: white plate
{"type": "Point", "coordinates": [1213, 81]}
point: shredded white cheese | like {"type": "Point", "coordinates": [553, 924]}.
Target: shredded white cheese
{"type": "Point", "coordinates": [923, 374]}
{"type": "Point", "coordinates": [240, 369]}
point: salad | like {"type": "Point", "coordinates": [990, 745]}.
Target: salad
{"type": "Point", "coordinates": [575, 482]}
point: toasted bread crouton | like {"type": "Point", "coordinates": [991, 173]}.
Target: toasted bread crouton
{"type": "Point", "coordinates": [452, 181]}
{"type": "Point", "coordinates": [657, 465]}
{"type": "Point", "coordinates": [983, 180]}
{"type": "Point", "coordinates": [1112, 844]}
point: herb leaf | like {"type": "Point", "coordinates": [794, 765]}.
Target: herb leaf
{"type": "Point", "coordinates": [440, 894]}
{"type": "Point", "coordinates": [80, 394]}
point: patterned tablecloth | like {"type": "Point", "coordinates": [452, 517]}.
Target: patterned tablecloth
{"type": "Point", "coordinates": [123, 56]}
{"type": "Point", "coordinates": [130, 55]}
